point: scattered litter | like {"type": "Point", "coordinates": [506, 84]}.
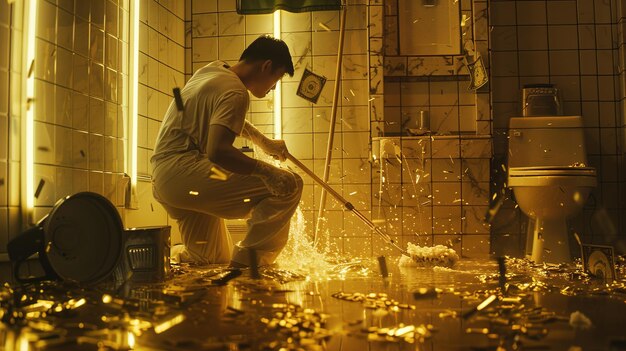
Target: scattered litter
{"type": "Point", "coordinates": [169, 323]}
{"type": "Point", "coordinates": [481, 306]}
{"type": "Point", "coordinates": [325, 27]}
{"type": "Point", "coordinates": [296, 327]}
{"type": "Point", "coordinates": [425, 293]}
{"type": "Point", "coordinates": [579, 321]}
{"type": "Point", "coordinates": [277, 308]}
{"type": "Point", "coordinates": [382, 264]}
{"type": "Point", "coordinates": [421, 256]}
{"type": "Point", "coordinates": [374, 301]}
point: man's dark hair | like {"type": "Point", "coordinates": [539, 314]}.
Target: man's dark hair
{"type": "Point", "coordinates": [266, 47]}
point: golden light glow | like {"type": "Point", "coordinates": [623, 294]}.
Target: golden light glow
{"type": "Point", "coordinates": [160, 328]}
{"type": "Point", "coordinates": [134, 92]}
{"type": "Point", "coordinates": [23, 344]}
{"type": "Point", "coordinates": [486, 303]}
{"type": "Point", "coordinates": [130, 340]}
{"type": "Point", "coordinates": [76, 303]}
{"type": "Point", "coordinates": [218, 174]}
{"type": "Point", "coordinates": [278, 104]}
{"type": "Point", "coordinates": [29, 105]}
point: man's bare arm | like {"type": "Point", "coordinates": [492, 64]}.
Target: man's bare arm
{"type": "Point", "coordinates": [222, 152]}
{"type": "Point", "coordinates": [276, 148]}
{"type": "Point", "coordinates": [251, 133]}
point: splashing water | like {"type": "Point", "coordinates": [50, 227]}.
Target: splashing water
{"type": "Point", "coordinates": [301, 255]}
{"type": "Point", "coordinates": [318, 261]}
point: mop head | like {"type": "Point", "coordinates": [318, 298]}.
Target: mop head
{"type": "Point", "coordinates": [422, 256]}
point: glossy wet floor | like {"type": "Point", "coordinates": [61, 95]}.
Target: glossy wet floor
{"type": "Point", "coordinates": [350, 307]}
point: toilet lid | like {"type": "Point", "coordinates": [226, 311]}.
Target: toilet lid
{"type": "Point", "coordinates": [552, 171]}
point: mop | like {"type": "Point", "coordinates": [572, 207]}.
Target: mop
{"type": "Point", "coordinates": [438, 255]}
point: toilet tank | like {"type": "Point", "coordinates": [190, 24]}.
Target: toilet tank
{"type": "Point", "coordinates": [546, 141]}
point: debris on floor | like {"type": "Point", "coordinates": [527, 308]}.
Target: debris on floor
{"type": "Point", "coordinates": [475, 305]}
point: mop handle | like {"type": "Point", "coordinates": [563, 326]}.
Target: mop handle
{"type": "Point", "coordinates": [345, 202]}
{"type": "Point", "coordinates": [306, 170]}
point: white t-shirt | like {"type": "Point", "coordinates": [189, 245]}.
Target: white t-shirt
{"type": "Point", "coordinates": [213, 95]}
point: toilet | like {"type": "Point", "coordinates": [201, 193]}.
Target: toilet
{"type": "Point", "coordinates": [550, 180]}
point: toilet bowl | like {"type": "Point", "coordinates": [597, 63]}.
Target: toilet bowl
{"type": "Point", "coordinates": [549, 178]}
{"type": "Point", "coordinates": [550, 196]}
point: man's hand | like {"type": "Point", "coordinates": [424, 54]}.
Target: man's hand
{"type": "Point", "coordinates": [276, 149]}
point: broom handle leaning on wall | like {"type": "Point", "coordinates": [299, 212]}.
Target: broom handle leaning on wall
{"type": "Point", "coordinates": [345, 202]}
{"type": "Point", "coordinates": [333, 118]}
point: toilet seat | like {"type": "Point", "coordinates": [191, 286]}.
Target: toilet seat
{"type": "Point", "coordinates": [551, 170]}
{"type": "Point", "coordinates": [552, 176]}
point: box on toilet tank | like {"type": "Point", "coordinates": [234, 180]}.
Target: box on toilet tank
{"type": "Point", "coordinates": [541, 100]}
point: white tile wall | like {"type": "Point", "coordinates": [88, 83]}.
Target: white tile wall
{"type": "Point", "coordinates": [163, 45]}
{"type": "Point", "coordinates": [7, 193]}
{"type": "Point", "coordinates": [162, 67]}
{"type": "Point", "coordinates": [435, 191]}
{"type": "Point", "coordinates": [77, 128]}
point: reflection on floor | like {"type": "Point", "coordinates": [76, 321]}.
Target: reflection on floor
{"type": "Point", "coordinates": [348, 307]}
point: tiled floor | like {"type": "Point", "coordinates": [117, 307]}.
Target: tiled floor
{"type": "Point", "coordinates": [350, 307]}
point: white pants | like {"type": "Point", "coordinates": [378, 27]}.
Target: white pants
{"type": "Point", "coordinates": [200, 204]}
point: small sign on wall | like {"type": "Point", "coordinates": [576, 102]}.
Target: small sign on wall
{"type": "Point", "coordinates": [478, 73]}
{"type": "Point", "coordinates": [311, 86]}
